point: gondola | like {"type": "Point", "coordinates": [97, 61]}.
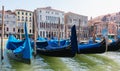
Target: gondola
{"type": "Point", "coordinates": [66, 50]}
{"type": "Point", "coordinates": [114, 46]}
{"type": "Point", "coordinates": [42, 42]}
{"type": "Point", "coordinates": [19, 50]}
{"type": "Point", "coordinates": [92, 48]}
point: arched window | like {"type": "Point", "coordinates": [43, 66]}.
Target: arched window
{"type": "Point", "coordinates": [18, 13]}
{"type": "Point", "coordinates": [18, 30]}
{"type": "Point", "coordinates": [43, 33]}
{"type": "Point", "coordinates": [22, 30]}
{"type": "Point", "coordinates": [22, 18]}
{"type": "Point", "coordinates": [18, 18]}
{"type": "Point", "coordinates": [13, 29]}
{"type": "Point", "coordinates": [7, 29]}
{"type": "Point", "coordinates": [40, 33]}
{"type": "Point", "coordinates": [30, 31]}
{"type": "Point", "coordinates": [26, 19]}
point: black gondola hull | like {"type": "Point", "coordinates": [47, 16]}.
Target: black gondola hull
{"type": "Point", "coordinates": [60, 52]}
{"type": "Point", "coordinates": [93, 49]}
{"type": "Point", "coordinates": [114, 46]}
{"type": "Point", "coordinates": [18, 57]}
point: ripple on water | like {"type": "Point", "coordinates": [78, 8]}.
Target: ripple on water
{"type": "Point", "coordinates": [113, 55]}
{"type": "Point", "coordinates": [95, 59]}
{"type": "Point", "coordinates": [73, 65]}
{"type": "Point", "coordinates": [5, 64]}
{"type": "Point", "coordinates": [40, 65]}
{"type": "Point", "coordinates": [109, 63]}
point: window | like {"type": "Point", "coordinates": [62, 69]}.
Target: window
{"type": "Point", "coordinates": [30, 25]}
{"type": "Point", "coordinates": [7, 35]}
{"type": "Point", "coordinates": [0, 15]}
{"type": "Point", "coordinates": [43, 25]}
{"type": "Point", "coordinates": [13, 16]}
{"type": "Point", "coordinates": [22, 18]}
{"type": "Point", "coordinates": [30, 30]}
{"type": "Point", "coordinates": [40, 17]}
{"type": "Point", "coordinates": [13, 29]}
{"type": "Point", "coordinates": [70, 20]}
{"type": "Point", "coordinates": [52, 12]}
{"type": "Point", "coordinates": [30, 19]}
{"type": "Point", "coordinates": [26, 19]}
{"type": "Point", "coordinates": [22, 31]}
{"type": "Point", "coordinates": [14, 22]}
{"type": "Point", "coordinates": [40, 25]}
{"type": "Point", "coordinates": [18, 13]}
{"type": "Point", "coordinates": [22, 13]}
{"type": "Point", "coordinates": [18, 18]}
{"type": "Point", "coordinates": [7, 29]}
{"type": "Point", "coordinates": [40, 33]}
{"type": "Point", "coordinates": [43, 34]}
{"type": "Point", "coordinates": [7, 16]}
{"type": "Point", "coordinates": [18, 30]}
{"type": "Point", "coordinates": [46, 17]}
{"type": "Point", "coordinates": [56, 13]}
{"type": "Point", "coordinates": [26, 13]}
{"type": "Point", "coordinates": [46, 34]}
{"type": "Point", "coordinates": [30, 14]}
{"type": "Point", "coordinates": [48, 12]}
{"type": "Point", "coordinates": [46, 25]}
{"type": "Point", "coordinates": [40, 11]}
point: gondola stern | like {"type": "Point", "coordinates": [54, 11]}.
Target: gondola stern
{"type": "Point", "coordinates": [73, 39]}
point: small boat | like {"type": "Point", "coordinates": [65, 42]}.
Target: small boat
{"type": "Point", "coordinates": [41, 41]}
{"type": "Point", "coordinates": [114, 46]}
{"type": "Point", "coordinates": [92, 48]}
{"type": "Point", "coordinates": [56, 49]}
{"type": "Point", "coordinates": [19, 50]}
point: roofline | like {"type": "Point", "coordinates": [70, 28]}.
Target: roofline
{"type": "Point", "coordinates": [49, 8]}
{"type": "Point", "coordinates": [8, 12]}
{"type": "Point", "coordinates": [23, 10]}
{"type": "Point", "coordinates": [75, 14]}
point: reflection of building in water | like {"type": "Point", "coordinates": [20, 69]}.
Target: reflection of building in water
{"type": "Point", "coordinates": [47, 22]}
{"type": "Point", "coordinates": [81, 23]}
{"type": "Point", "coordinates": [9, 23]}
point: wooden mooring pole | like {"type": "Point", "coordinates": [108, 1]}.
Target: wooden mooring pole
{"type": "Point", "coordinates": [35, 34]}
{"type": "Point", "coordinates": [2, 36]}
{"type": "Point", "coordinates": [59, 27]}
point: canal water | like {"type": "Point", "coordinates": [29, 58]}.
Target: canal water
{"type": "Point", "coordinates": [109, 61]}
